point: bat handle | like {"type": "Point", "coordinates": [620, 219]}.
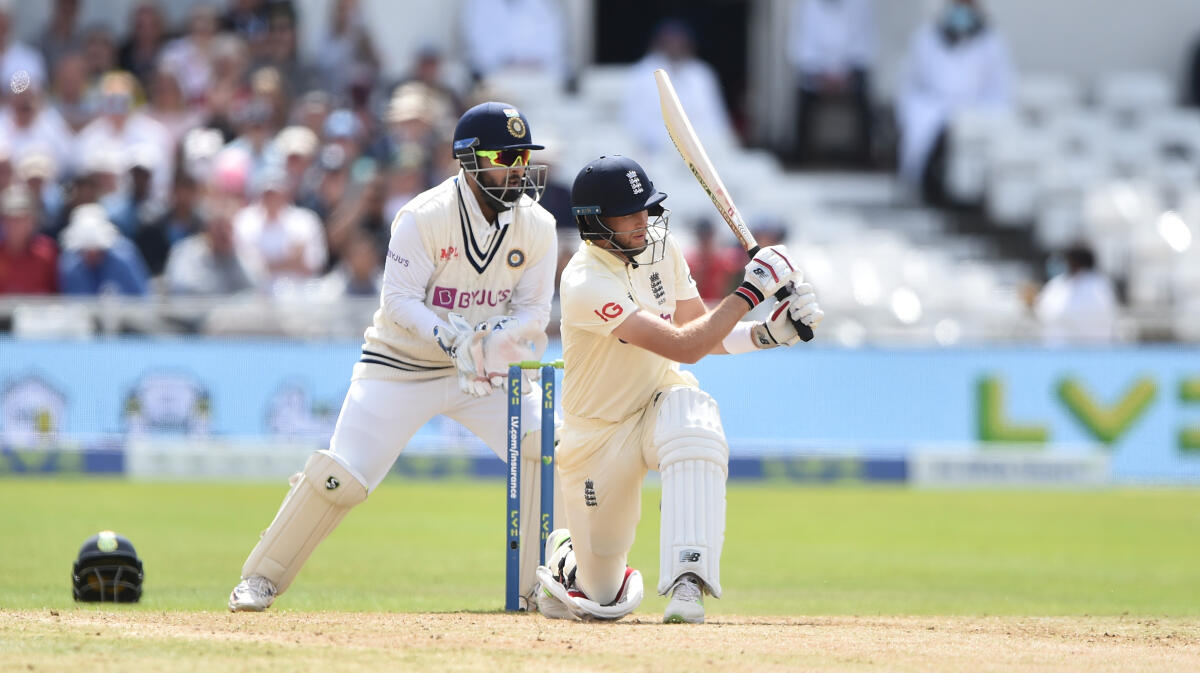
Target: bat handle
{"type": "Point", "coordinates": [805, 332]}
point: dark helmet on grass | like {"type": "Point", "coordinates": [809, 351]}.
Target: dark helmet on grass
{"type": "Point", "coordinates": [107, 570]}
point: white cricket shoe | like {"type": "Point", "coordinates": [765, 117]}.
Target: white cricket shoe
{"type": "Point", "coordinates": [687, 601]}
{"type": "Point", "coordinates": [252, 594]}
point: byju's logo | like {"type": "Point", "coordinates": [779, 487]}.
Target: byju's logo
{"type": "Point", "coordinates": [443, 297]}
{"type": "Point", "coordinates": [452, 298]}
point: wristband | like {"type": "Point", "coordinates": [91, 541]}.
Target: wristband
{"type": "Point", "coordinates": [750, 293]}
{"type": "Point", "coordinates": [739, 339]}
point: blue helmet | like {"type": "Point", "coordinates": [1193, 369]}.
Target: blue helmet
{"type": "Point", "coordinates": [107, 569]}
{"type": "Point", "coordinates": [612, 186]}
{"type": "Point", "coordinates": [499, 127]}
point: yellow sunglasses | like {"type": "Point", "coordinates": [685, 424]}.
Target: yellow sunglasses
{"type": "Point", "coordinates": [506, 157]}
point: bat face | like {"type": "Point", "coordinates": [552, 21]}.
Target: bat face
{"type": "Point", "coordinates": [679, 127]}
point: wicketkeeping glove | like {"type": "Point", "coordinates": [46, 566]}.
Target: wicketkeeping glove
{"type": "Point", "coordinates": [457, 340]}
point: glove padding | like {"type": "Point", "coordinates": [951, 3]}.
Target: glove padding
{"type": "Point", "coordinates": [779, 330]}
{"type": "Point", "coordinates": [767, 272]}
{"type": "Point", "coordinates": [459, 340]}
{"type": "Point", "coordinates": [505, 341]}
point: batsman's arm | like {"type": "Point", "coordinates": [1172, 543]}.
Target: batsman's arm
{"type": "Point", "coordinates": [688, 342]}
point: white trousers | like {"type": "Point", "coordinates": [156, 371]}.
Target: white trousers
{"type": "Point", "coordinates": [379, 417]}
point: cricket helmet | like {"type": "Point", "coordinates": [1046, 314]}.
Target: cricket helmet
{"type": "Point", "coordinates": [612, 186]}
{"type": "Point", "coordinates": [107, 570]}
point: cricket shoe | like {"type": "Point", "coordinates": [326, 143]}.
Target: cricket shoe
{"type": "Point", "coordinates": [687, 601]}
{"type": "Point", "coordinates": [253, 594]}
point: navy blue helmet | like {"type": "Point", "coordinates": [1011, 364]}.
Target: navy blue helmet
{"type": "Point", "coordinates": [107, 570]}
{"type": "Point", "coordinates": [612, 186]}
{"type": "Point", "coordinates": [499, 132]}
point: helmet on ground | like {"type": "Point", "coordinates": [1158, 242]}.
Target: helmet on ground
{"type": "Point", "coordinates": [499, 132]}
{"type": "Point", "coordinates": [612, 186]}
{"type": "Point", "coordinates": [107, 569]}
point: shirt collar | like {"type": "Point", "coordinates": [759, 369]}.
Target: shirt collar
{"type": "Point", "coordinates": [474, 212]}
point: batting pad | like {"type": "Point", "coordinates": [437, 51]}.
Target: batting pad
{"type": "Point", "coordinates": [693, 462]}
{"type": "Point", "coordinates": [317, 503]}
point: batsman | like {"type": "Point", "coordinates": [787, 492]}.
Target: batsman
{"type": "Point", "coordinates": [630, 315]}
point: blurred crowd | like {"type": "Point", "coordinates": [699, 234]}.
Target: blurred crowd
{"type": "Point", "coordinates": [209, 157]}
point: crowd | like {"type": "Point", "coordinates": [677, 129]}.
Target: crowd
{"type": "Point", "coordinates": [209, 157]}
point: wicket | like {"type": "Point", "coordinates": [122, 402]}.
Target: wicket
{"type": "Point", "coordinates": [513, 510]}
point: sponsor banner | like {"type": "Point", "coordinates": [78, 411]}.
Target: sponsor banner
{"type": "Point", "coordinates": [818, 469]}
{"type": "Point", "coordinates": [1139, 407]}
{"type": "Point", "coordinates": [100, 458]}
{"type": "Point", "coordinates": [998, 469]}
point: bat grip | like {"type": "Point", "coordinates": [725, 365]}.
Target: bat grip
{"type": "Point", "coordinates": [805, 332]}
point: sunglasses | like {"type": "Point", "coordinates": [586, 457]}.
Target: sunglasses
{"type": "Point", "coordinates": [506, 157]}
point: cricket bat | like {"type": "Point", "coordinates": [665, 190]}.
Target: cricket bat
{"type": "Point", "coordinates": [688, 144]}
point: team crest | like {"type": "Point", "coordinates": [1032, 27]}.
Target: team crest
{"type": "Point", "coordinates": [516, 258]}
{"type": "Point", "coordinates": [516, 127]}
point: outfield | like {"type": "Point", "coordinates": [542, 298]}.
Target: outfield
{"type": "Point", "coordinates": [814, 564]}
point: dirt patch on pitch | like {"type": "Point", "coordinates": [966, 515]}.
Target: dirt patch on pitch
{"type": "Point", "coordinates": [123, 640]}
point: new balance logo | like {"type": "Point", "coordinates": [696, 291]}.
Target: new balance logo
{"type": "Point", "coordinates": [589, 493]}
{"type": "Point", "coordinates": [689, 556]}
{"type": "Point", "coordinates": [635, 183]}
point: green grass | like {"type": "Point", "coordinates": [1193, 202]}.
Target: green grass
{"type": "Point", "coordinates": [419, 546]}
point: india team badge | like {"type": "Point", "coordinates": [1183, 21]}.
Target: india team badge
{"type": "Point", "coordinates": [516, 257]}
{"type": "Point", "coordinates": [516, 127]}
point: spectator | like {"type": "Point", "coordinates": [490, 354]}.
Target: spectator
{"type": "Point", "coordinates": [69, 93]}
{"type": "Point", "coordinates": [415, 119]}
{"type": "Point", "coordinates": [333, 180]}
{"type": "Point", "coordinates": [831, 47]}
{"type": "Point", "coordinates": [155, 240]}
{"type": "Point", "coordinates": [346, 47]}
{"type": "Point", "coordinates": [167, 106]}
{"type": "Point", "coordinates": [427, 70]}
{"type": "Point", "coordinates": [285, 240]}
{"type": "Point", "coordinates": [99, 52]}
{"type": "Point", "coordinates": [281, 51]}
{"type": "Point", "coordinates": [36, 169]}
{"type": "Point", "coordinates": [312, 109]}
{"type": "Point", "coordinates": [366, 209]}
{"type": "Point", "coordinates": [343, 129]}
{"type": "Point", "coordinates": [229, 89]}
{"type": "Point", "coordinates": [97, 259]}
{"type": "Point", "coordinates": [359, 272]}
{"type": "Point", "coordinates": [134, 207]}
{"type": "Point", "coordinates": [81, 188]}
{"type": "Point", "coordinates": [147, 36]}
{"type": "Point", "coordinates": [253, 123]}
{"type": "Point", "coordinates": [121, 128]}
{"type": "Point", "coordinates": [295, 147]}
{"type": "Point", "coordinates": [16, 56]}
{"type": "Point", "coordinates": [28, 125]}
{"type": "Point", "coordinates": [534, 37]}
{"type": "Point", "coordinates": [673, 49]}
{"type": "Point", "coordinates": [28, 260]}
{"type": "Point", "coordinates": [715, 268]}
{"type": "Point", "coordinates": [191, 56]}
{"type": "Point", "coordinates": [247, 18]}
{"type": "Point", "coordinates": [958, 61]}
{"type": "Point", "coordinates": [60, 35]}
{"type": "Point", "coordinates": [208, 262]}
{"type": "Point", "coordinates": [6, 167]}
{"type": "Point", "coordinates": [1078, 305]}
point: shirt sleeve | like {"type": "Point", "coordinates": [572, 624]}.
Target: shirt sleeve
{"type": "Point", "coordinates": [406, 274]}
{"type": "Point", "coordinates": [596, 303]}
{"type": "Point", "coordinates": [535, 289]}
{"type": "Point", "coordinates": [685, 285]}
